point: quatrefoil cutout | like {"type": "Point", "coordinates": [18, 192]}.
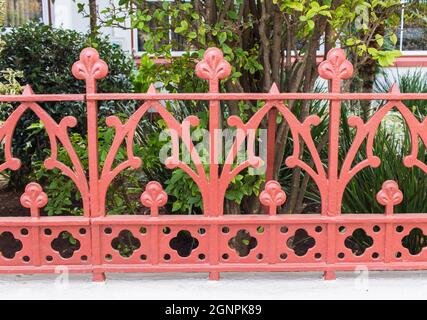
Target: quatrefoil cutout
{"type": "Point", "coordinates": [9, 245]}
{"type": "Point", "coordinates": [65, 244]}
{"type": "Point", "coordinates": [358, 242]}
{"type": "Point", "coordinates": [301, 242]}
{"type": "Point", "coordinates": [184, 243]}
{"type": "Point", "coordinates": [125, 243]}
{"type": "Point", "coordinates": [243, 243]}
{"type": "Point", "coordinates": [415, 241]}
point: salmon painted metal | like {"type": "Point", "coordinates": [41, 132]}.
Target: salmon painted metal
{"type": "Point", "coordinates": [272, 239]}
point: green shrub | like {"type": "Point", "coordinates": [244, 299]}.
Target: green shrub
{"type": "Point", "coordinates": [45, 56]}
{"type": "Point", "coordinates": [64, 197]}
{"type": "Point", "coordinates": [9, 82]}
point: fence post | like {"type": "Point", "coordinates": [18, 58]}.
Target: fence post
{"type": "Point", "coordinates": [91, 68]}
{"type": "Point", "coordinates": [334, 68]}
{"type": "Point", "coordinates": [213, 67]}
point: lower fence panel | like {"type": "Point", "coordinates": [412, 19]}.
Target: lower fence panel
{"type": "Point", "coordinates": [32, 245]}
{"type": "Point", "coordinates": [183, 243]}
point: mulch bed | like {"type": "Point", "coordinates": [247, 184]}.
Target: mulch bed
{"type": "Point", "coordinates": [10, 205]}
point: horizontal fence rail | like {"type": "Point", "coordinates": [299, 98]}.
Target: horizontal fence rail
{"type": "Point", "coordinates": [256, 96]}
{"type": "Point", "coordinates": [273, 241]}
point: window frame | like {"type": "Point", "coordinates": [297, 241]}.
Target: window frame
{"type": "Point", "coordinates": [401, 32]}
{"type": "Point", "coordinates": [135, 39]}
{"type": "Point", "coordinates": [137, 53]}
{"type": "Point", "coordinates": [46, 13]}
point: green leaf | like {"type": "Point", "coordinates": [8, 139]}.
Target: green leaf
{"type": "Point", "coordinates": [232, 15]}
{"type": "Point", "coordinates": [349, 42]}
{"type": "Point", "coordinates": [362, 47]}
{"type": "Point", "coordinates": [192, 35]}
{"type": "Point", "coordinates": [80, 7]}
{"type": "Point", "coordinates": [176, 206]}
{"type": "Point", "coordinates": [373, 52]}
{"type": "Point", "coordinates": [222, 37]}
{"type": "Point", "coordinates": [236, 74]}
{"type": "Point", "coordinates": [226, 49]}
{"type": "Point", "coordinates": [393, 38]}
{"type": "Point", "coordinates": [182, 28]}
{"type": "Point", "coordinates": [379, 39]}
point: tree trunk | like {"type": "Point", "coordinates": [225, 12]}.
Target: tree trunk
{"type": "Point", "coordinates": [2, 11]}
{"type": "Point", "coordinates": [231, 207]}
{"type": "Point", "coordinates": [92, 17]}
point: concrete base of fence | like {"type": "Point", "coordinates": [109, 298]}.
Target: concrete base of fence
{"type": "Point", "coordinates": [309, 285]}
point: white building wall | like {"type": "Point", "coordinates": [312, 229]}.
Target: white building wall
{"type": "Point", "coordinates": [65, 15]}
{"type": "Point", "coordinates": [394, 72]}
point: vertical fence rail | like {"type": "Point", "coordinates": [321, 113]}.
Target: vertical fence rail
{"type": "Point", "coordinates": [334, 69]}
{"type": "Point", "coordinates": [91, 68]}
{"type": "Point", "coordinates": [273, 241]}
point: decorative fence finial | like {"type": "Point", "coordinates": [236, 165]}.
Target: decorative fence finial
{"type": "Point", "coordinates": [154, 197]}
{"type": "Point", "coordinates": [34, 198]}
{"type": "Point", "coordinates": [336, 67]}
{"type": "Point", "coordinates": [272, 196]}
{"type": "Point", "coordinates": [213, 67]}
{"type": "Point", "coordinates": [90, 66]}
{"type": "Point", "coordinates": [389, 196]}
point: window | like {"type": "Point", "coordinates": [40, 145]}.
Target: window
{"type": "Point", "coordinates": [19, 12]}
{"type": "Point", "coordinates": [412, 36]}
{"type": "Point", "coordinates": [177, 41]}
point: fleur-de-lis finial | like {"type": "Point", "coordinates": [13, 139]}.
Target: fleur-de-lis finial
{"type": "Point", "coordinates": [336, 67]}
{"type": "Point", "coordinates": [34, 198]}
{"type": "Point", "coordinates": [154, 197]}
{"type": "Point", "coordinates": [90, 66]}
{"type": "Point", "coordinates": [389, 196]}
{"type": "Point", "coordinates": [213, 67]}
{"type": "Point", "coordinates": [272, 196]}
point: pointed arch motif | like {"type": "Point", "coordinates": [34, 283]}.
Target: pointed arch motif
{"type": "Point", "coordinates": [57, 132]}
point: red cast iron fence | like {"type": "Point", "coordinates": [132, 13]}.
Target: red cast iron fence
{"type": "Point", "coordinates": [155, 236]}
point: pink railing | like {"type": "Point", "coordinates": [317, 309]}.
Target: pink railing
{"type": "Point", "coordinates": [211, 232]}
